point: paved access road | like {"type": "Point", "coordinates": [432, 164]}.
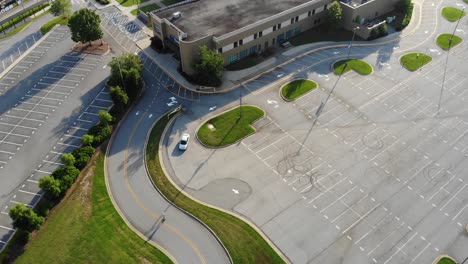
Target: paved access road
{"type": "Point", "coordinates": [49, 100]}
{"type": "Point", "coordinates": [381, 178]}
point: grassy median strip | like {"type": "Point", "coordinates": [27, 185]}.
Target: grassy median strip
{"type": "Point", "coordinates": [86, 228]}
{"type": "Point", "coordinates": [244, 244]}
{"type": "Point", "coordinates": [443, 41]}
{"type": "Point", "coordinates": [357, 65]}
{"type": "Point", "coordinates": [452, 14]}
{"type": "Point", "coordinates": [446, 260]}
{"type": "Point", "coordinates": [51, 23]}
{"type": "Point", "coordinates": [297, 88]}
{"type": "Point", "coordinates": [146, 9]}
{"type": "Point", "coordinates": [229, 127]}
{"type": "Point", "coordinates": [128, 3]}
{"type": "Point", "coordinates": [415, 60]}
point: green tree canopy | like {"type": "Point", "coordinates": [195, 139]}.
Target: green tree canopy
{"type": "Point", "coordinates": [87, 139]}
{"type": "Point", "coordinates": [50, 186]}
{"type": "Point", "coordinates": [25, 218]}
{"type": "Point", "coordinates": [61, 8]}
{"type": "Point", "coordinates": [120, 99]}
{"type": "Point", "coordinates": [68, 159]}
{"type": "Point", "coordinates": [104, 117]}
{"type": "Point", "coordinates": [126, 71]}
{"type": "Point", "coordinates": [210, 67]}
{"type": "Point", "coordinates": [334, 16]}
{"type": "Point", "coordinates": [84, 25]}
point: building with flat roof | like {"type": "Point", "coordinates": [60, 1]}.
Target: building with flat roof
{"type": "Point", "coordinates": [238, 28]}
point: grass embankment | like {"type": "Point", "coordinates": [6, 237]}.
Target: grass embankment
{"type": "Point", "coordinates": [446, 260]}
{"type": "Point", "coordinates": [452, 14]}
{"type": "Point", "coordinates": [297, 88]}
{"type": "Point", "coordinates": [359, 66]}
{"type": "Point", "coordinates": [128, 3]}
{"type": "Point", "coordinates": [22, 26]}
{"type": "Point", "coordinates": [244, 244]}
{"type": "Point", "coordinates": [145, 9]}
{"type": "Point", "coordinates": [230, 126]}
{"type": "Point", "coordinates": [85, 228]}
{"type": "Point", "coordinates": [51, 23]}
{"type": "Point", "coordinates": [415, 60]}
{"type": "Point", "coordinates": [443, 41]}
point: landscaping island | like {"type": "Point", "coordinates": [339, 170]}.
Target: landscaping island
{"type": "Point", "coordinates": [229, 127]}
{"type": "Point", "coordinates": [452, 14]}
{"type": "Point", "coordinates": [359, 66]}
{"type": "Point", "coordinates": [443, 41]}
{"type": "Point", "coordinates": [415, 60]}
{"type": "Point", "coordinates": [297, 88]}
{"type": "Point", "coordinates": [244, 244]}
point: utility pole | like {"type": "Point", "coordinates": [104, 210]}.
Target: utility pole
{"type": "Point", "coordinates": [446, 61]}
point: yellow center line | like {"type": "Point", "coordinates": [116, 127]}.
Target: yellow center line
{"type": "Point", "coordinates": [147, 210]}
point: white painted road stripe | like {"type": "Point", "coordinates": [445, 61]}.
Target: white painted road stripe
{"type": "Point", "coordinates": [36, 194]}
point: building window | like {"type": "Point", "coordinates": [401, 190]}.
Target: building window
{"type": "Point", "coordinates": [274, 28]}
{"type": "Point", "coordinates": [309, 13]}
{"type": "Point", "coordinates": [220, 50]}
{"type": "Point", "coordinates": [297, 18]}
{"type": "Point", "coordinates": [255, 36]}
{"type": "Point", "coordinates": [244, 53]}
{"type": "Point", "coordinates": [253, 49]}
{"type": "Point", "coordinates": [260, 34]}
{"type": "Point", "coordinates": [235, 44]}
{"type": "Point", "coordinates": [241, 42]}
{"type": "Point", "coordinates": [292, 20]}
{"type": "Point", "coordinates": [279, 26]}
{"type": "Point", "coordinates": [313, 12]}
{"type": "Point", "coordinates": [232, 58]}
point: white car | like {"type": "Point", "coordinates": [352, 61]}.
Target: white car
{"type": "Point", "coordinates": [184, 141]}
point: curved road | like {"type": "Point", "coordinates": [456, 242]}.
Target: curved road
{"type": "Point", "coordinates": [186, 239]}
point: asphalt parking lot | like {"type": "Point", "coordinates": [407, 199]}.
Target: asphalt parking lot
{"type": "Point", "coordinates": [380, 178]}
{"type": "Point", "coordinates": [53, 100]}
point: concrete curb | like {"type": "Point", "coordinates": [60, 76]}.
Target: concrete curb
{"type": "Point", "coordinates": [237, 141]}
{"type": "Point", "coordinates": [442, 256]}
{"type": "Point", "coordinates": [111, 197]}
{"type": "Point", "coordinates": [289, 101]}
{"type": "Point", "coordinates": [26, 53]}
{"type": "Point", "coordinates": [260, 232]}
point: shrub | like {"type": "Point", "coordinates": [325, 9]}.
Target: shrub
{"type": "Point", "coordinates": [65, 171]}
{"type": "Point", "coordinates": [82, 156]}
{"type": "Point", "coordinates": [407, 18]}
{"type": "Point", "coordinates": [120, 99]}
{"type": "Point", "coordinates": [51, 187]}
{"type": "Point", "coordinates": [25, 218]}
{"type": "Point", "coordinates": [68, 159]}
{"type": "Point", "coordinates": [104, 117]}
{"type": "Point", "coordinates": [100, 133]}
{"type": "Point", "coordinates": [383, 30]}
{"type": "Point", "coordinates": [87, 139]}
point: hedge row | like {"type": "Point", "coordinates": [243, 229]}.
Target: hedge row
{"type": "Point", "coordinates": [22, 16]}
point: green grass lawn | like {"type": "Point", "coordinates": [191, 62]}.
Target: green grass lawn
{"type": "Point", "coordinates": [229, 128]}
{"type": "Point", "coordinates": [295, 89]}
{"type": "Point", "coordinates": [128, 3]}
{"type": "Point", "coordinates": [446, 260]}
{"type": "Point", "coordinates": [443, 41]}
{"type": "Point", "coordinates": [51, 23]}
{"type": "Point", "coordinates": [415, 60]}
{"type": "Point", "coordinates": [452, 14]}
{"type": "Point", "coordinates": [170, 2]}
{"type": "Point", "coordinates": [146, 9]}
{"type": "Point", "coordinates": [244, 244]}
{"type": "Point", "coordinates": [359, 66]}
{"type": "Point", "coordinates": [85, 228]}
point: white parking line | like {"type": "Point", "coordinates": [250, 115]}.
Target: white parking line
{"type": "Point", "coordinates": [419, 254]}
{"type": "Point", "coordinates": [24, 118]}
{"type": "Point", "coordinates": [50, 91]}
{"type": "Point", "coordinates": [65, 67]}
{"type": "Point", "coordinates": [28, 103]}
{"type": "Point", "coordinates": [69, 145]}
{"type": "Point", "coordinates": [400, 248]}
{"type": "Point", "coordinates": [58, 85]}
{"type": "Point", "coordinates": [41, 171]}
{"type": "Point", "coordinates": [381, 242]}
{"type": "Point", "coordinates": [453, 197]}
{"type": "Point", "coordinates": [67, 135]}
{"type": "Point", "coordinates": [33, 181]}
{"type": "Point", "coordinates": [79, 128]}
{"type": "Point", "coordinates": [30, 111]}
{"type": "Point", "coordinates": [99, 107]}
{"type": "Point", "coordinates": [35, 194]}
{"type": "Point", "coordinates": [7, 228]}
{"type": "Point", "coordinates": [52, 162]}
{"type": "Point", "coordinates": [68, 73]}
{"type": "Point", "coordinates": [459, 212]}
{"type": "Point", "coordinates": [11, 143]}
{"type": "Point", "coordinates": [104, 100]}
{"type": "Point", "coordinates": [47, 98]}
{"type": "Point", "coordinates": [79, 62]}
{"type": "Point", "coordinates": [90, 113]}
{"type": "Point", "coordinates": [13, 134]}
{"type": "Point", "coordinates": [61, 79]}
{"type": "Point", "coordinates": [27, 205]}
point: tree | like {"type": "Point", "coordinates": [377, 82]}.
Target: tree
{"type": "Point", "coordinates": [87, 139]}
{"type": "Point", "coordinates": [51, 187]}
{"type": "Point", "coordinates": [25, 218]}
{"type": "Point", "coordinates": [403, 6]}
{"type": "Point", "coordinates": [61, 8]}
{"type": "Point", "coordinates": [104, 117]}
{"type": "Point", "coordinates": [334, 16]}
{"type": "Point", "coordinates": [209, 68]}
{"type": "Point", "coordinates": [126, 71]}
{"type": "Point", "coordinates": [85, 26]}
{"type": "Point", "coordinates": [68, 159]}
{"type": "Point", "coordinates": [383, 30]}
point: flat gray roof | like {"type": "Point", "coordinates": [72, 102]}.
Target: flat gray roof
{"type": "Point", "coordinates": [218, 17]}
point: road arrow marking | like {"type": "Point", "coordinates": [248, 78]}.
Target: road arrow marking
{"type": "Point", "coordinates": [235, 191]}
{"type": "Point", "coordinates": [212, 108]}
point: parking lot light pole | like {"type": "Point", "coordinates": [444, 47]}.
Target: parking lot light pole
{"type": "Point", "coordinates": [446, 60]}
